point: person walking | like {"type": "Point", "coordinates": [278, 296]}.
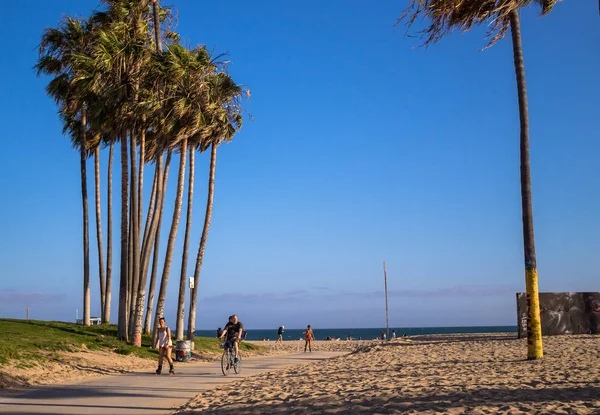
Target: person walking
{"type": "Point", "coordinates": [280, 334]}
{"type": "Point", "coordinates": [164, 344]}
{"type": "Point", "coordinates": [308, 337]}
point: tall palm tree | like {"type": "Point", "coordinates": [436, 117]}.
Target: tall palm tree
{"type": "Point", "coordinates": [153, 234]}
{"type": "Point", "coordinates": [226, 117]}
{"type": "Point", "coordinates": [69, 88]}
{"type": "Point", "coordinates": [195, 115]}
{"type": "Point", "coordinates": [120, 54]}
{"type": "Point", "coordinates": [186, 98]}
{"type": "Point", "coordinates": [501, 15]}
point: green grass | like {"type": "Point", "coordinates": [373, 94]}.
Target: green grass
{"type": "Point", "coordinates": [33, 340]}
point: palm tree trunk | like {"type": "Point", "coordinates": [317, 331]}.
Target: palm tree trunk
{"type": "Point", "coordinates": [108, 295]}
{"type": "Point", "coordinates": [534, 327]}
{"type": "Point", "coordinates": [129, 267]}
{"type": "Point", "coordinates": [149, 216]}
{"type": "Point", "coordinates": [162, 294]}
{"type": "Point", "coordinates": [123, 320]}
{"type": "Point", "coordinates": [160, 205]}
{"type": "Point", "coordinates": [141, 292]}
{"type": "Point", "coordinates": [140, 198]}
{"type": "Point", "coordinates": [184, 258]}
{"type": "Point", "coordinates": [200, 257]}
{"type": "Point", "coordinates": [99, 233]}
{"type": "Point", "coordinates": [135, 245]}
{"type": "Point", "coordinates": [86, 237]}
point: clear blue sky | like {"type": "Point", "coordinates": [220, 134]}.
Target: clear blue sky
{"type": "Point", "coordinates": [363, 148]}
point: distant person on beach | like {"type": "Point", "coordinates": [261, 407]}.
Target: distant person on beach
{"type": "Point", "coordinates": [219, 332]}
{"type": "Point", "coordinates": [164, 345]}
{"type": "Point", "coordinates": [280, 334]}
{"type": "Point", "coordinates": [244, 335]}
{"type": "Point", "coordinates": [234, 329]}
{"type": "Point", "coordinates": [393, 334]}
{"type": "Point", "coordinates": [308, 333]}
{"type": "Point", "coordinates": [383, 335]}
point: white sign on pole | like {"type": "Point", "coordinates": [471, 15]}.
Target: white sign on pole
{"type": "Point", "coordinates": [192, 282]}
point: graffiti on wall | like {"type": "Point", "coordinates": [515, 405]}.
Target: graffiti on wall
{"type": "Point", "coordinates": [563, 313]}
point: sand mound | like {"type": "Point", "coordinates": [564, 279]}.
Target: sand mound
{"type": "Point", "coordinates": [63, 366]}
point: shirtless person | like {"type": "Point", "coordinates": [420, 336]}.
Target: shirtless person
{"type": "Point", "coordinates": [309, 338]}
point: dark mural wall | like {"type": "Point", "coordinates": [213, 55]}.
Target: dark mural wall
{"type": "Point", "coordinates": [563, 313]}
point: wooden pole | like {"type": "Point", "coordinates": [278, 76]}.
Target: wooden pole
{"type": "Point", "coordinates": [387, 325]}
{"type": "Point", "coordinates": [27, 312]}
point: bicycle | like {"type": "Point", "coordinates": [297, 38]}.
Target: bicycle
{"type": "Point", "coordinates": [228, 360]}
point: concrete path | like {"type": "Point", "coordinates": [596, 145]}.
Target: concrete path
{"type": "Point", "coordinates": [140, 393]}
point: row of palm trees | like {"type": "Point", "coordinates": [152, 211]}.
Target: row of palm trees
{"type": "Point", "coordinates": [444, 16]}
{"type": "Point", "coordinates": [122, 77]}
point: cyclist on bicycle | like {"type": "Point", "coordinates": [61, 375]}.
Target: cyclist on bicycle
{"type": "Point", "coordinates": [233, 330]}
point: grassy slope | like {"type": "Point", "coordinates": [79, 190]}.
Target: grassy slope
{"type": "Point", "coordinates": [35, 340]}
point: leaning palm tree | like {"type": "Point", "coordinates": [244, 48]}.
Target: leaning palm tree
{"type": "Point", "coordinates": [120, 55]}
{"type": "Point", "coordinates": [185, 98]}
{"type": "Point", "coordinates": [58, 50]}
{"type": "Point", "coordinates": [448, 15]}
{"type": "Point", "coordinates": [226, 121]}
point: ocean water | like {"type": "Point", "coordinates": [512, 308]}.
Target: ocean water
{"type": "Point", "coordinates": [364, 333]}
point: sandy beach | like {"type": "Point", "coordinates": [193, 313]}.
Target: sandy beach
{"type": "Point", "coordinates": [455, 374]}
{"type": "Point", "coordinates": [69, 366]}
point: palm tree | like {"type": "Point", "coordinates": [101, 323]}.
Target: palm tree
{"type": "Point", "coordinates": [121, 55]}
{"type": "Point", "coordinates": [501, 15]}
{"type": "Point", "coordinates": [226, 122]}
{"type": "Point", "coordinates": [69, 88]}
{"type": "Point", "coordinates": [186, 98]}
{"type": "Point", "coordinates": [152, 234]}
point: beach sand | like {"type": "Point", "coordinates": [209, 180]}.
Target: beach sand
{"type": "Point", "coordinates": [454, 374]}
{"type": "Point", "coordinates": [63, 366]}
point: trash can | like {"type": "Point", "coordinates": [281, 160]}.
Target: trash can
{"type": "Point", "coordinates": [183, 350]}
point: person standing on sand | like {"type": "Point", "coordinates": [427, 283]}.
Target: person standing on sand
{"type": "Point", "coordinates": [280, 334]}
{"type": "Point", "coordinates": [164, 344]}
{"type": "Point", "coordinates": [308, 333]}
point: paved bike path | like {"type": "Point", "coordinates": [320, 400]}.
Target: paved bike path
{"type": "Point", "coordinates": [140, 393]}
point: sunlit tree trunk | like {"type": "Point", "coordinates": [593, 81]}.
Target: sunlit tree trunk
{"type": "Point", "coordinates": [123, 294]}
{"type": "Point", "coordinates": [135, 245]}
{"type": "Point", "coordinates": [534, 327]}
{"type": "Point", "coordinates": [86, 236]}
{"type": "Point", "coordinates": [184, 258]}
{"type": "Point", "coordinates": [200, 256]}
{"type": "Point", "coordinates": [109, 241]}
{"type": "Point", "coordinates": [99, 233]}
{"type": "Point", "coordinates": [155, 257]}
{"type": "Point", "coordinates": [162, 294]}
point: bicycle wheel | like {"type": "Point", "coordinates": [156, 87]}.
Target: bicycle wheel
{"type": "Point", "coordinates": [225, 362]}
{"type": "Point", "coordinates": [237, 367]}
